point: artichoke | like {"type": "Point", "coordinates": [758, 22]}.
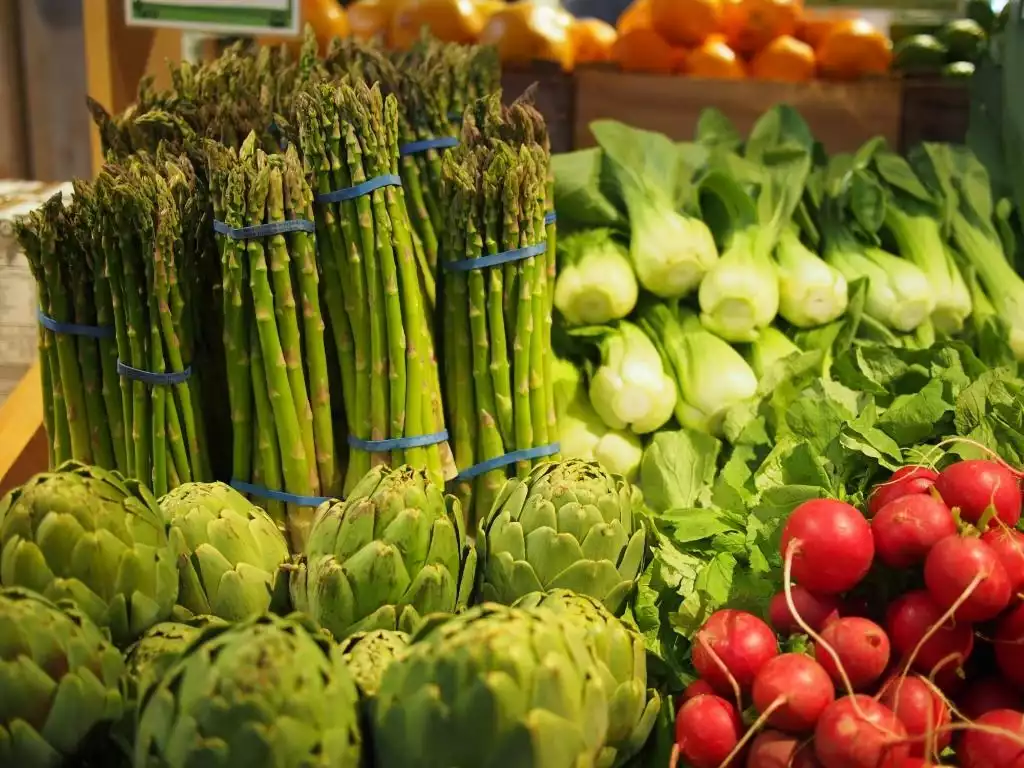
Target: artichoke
{"type": "Point", "coordinates": [368, 654]}
{"type": "Point", "coordinates": [149, 657]}
{"type": "Point", "coordinates": [270, 692]}
{"type": "Point", "coordinates": [59, 679]}
{"type": "Point", "coordinates": [394, 550]}
{"type": "Point", "coordinates": [632, 707]}
{"type": "Point", "coordinates": [89, 535]}
{"type": "Point", "coordinates": [228, 550]}
{"type": "Point", "coordinates": [567, 525]}
{"type": "Point", "coordinates": [494, 687]}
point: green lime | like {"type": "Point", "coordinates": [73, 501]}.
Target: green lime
{"type": "Point", "coordinates": [958, 69]}
{"type": "Point", "coordinates": [965, 39]}
{"type": "Point", "coordinates": [919, 53]}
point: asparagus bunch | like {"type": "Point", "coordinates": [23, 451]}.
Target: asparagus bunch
{"type": "Point", "coordinates": [497, 320]}
{"type": "Point", "coordinates": [460, 74]}
{"type": "Point", "coordinates": [225, 99]}
{"type": "Point", "coordinates": [422, 117]}
{"type": "Point", "coordinates": [82, 406]}
{"type": "Point", "coordinates": [277, 368]}
{"type": "Point", "coordinates": [373, 292]}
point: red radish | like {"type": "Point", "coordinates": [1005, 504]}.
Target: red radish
{"type": "Point", "coordinates": [986, 695]}
{"type": "Point", "coordinates": [911, 762]}
{"type": "Point", "coordinates": [707, 730]}
{"type": "Point", "coordinates": [1009, 645]}
{"type": "Point", "coordinates": [741, 641]}
{"type": "Point", "coordinates": [953, 565]}
{"type": "Point", "coordinates": [862, 647]}
{"type": "Point", "coordinates": [796, 689]}
{"type": "Point", "coordinates": [815, 610]}
{"type": "Point", "coordinates": [697, 688]}
{"type": "Point", "coordinates": [911, 617]}
{"type": "Point", "coordinates": [833, 548]}
{"type": "Point", "coordinates": [973, 485]}
{"type": "Point", "coordinates": [774, 749]}
{"type": "Point", "coordinates": [985, 749]}
{"type": "Point", "coordinates": [920, 710]}
{"type": "Point", "coordinates": [905, 481]}
{"type": "Point", "coordinates": [858, 732]}
{"type": "Point", "coordinates": [907, 528]}
{"type": "Point", "coordinates": [1008, 544]}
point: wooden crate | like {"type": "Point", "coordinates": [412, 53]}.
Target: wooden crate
{"type": "Point", "coordinates": [556, 96]}
{"type": "Point", "coordinates": [934, 109]}
{"type": "Point", "coordinates": [842, 115]}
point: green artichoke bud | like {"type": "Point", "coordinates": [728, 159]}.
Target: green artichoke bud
{"type": "Point", "coordinates": [88, 535]}
{"type": "Point", "coordinates": [393, 551]}
{"type": "Point", "coordinates": [568, 525]}
{"type": "Point", "coordinates": [229, 552]}
{"type": "Point", "coordinates": [149, 657]}
{"type": "Point", "coordinates": [368, 654]}
{"type": "Point", "coordinates": [270, 692]}
{"type": "Point", "coordinates": [59, 678]}
{"type": "Point", "coordinates": [494, 687]}
{"type": "Point", "coordinates": [632, 706]}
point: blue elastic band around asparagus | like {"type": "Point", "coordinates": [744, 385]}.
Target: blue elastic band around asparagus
{"type": "Point", "coordinates": [268, 493]}
{"type": "Point", "coordinates": [150, 377]}
{"type": "Point", "coordinates": [74, 329]}
{"type": "Point", "coordinates": [263, 230]}
{"type": "Point", "coordinates": [365, 188]}
{"type": "Point", "coordinates": [482, 262]}
{"type": "Point", "coordinates": [550, 218]}
{"type": "Point", "coordinates": [414, 147]}
{"type": "Point", "coordinates": [526, 454]}
{"type": "Point", "coordinates": [398, 443]}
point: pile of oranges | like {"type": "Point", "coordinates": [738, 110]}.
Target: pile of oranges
{"type": "Point", "coordinates": [731, 39]}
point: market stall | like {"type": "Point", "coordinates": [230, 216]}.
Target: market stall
{"type": "Point", "coordinates": [395, 403]}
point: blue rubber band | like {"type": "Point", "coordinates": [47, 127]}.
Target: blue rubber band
{"type": "Point", "coordinates": [550, 218]}
{"type": "Point", "coordinates": [287, 498]}
{"type": "Point", "coordinates": [414, 147]}
{"type": "Point", "coordinates": [467, 265]}
{"type": "Point", "coordinates": [498, 462]}
{"type": "Point", "coordinates": [263, 230]}
{"type": "Point", "coordinates": [74, 329]}
{"type": "Point", "coordinates": [397, 443]}
{"type": "Point", "coordinates": [149, 377]}
{"type": "Point", "coordinates": [368, 186]}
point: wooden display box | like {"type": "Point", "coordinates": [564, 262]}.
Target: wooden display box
{"type": "Point", "coordinates": [841, 115]}
{"type": "Point", "coordinates": [555, 98]}
{"type": "Point", "coordinates": [934, 109]}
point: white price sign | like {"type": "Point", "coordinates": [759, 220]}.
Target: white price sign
{"type": "Point", "coordinates": [250, 17]}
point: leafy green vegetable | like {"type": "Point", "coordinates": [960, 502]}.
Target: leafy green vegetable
{"type": "Point", "coordinates": [671, 251]}
{"type": "Point", "coordinates": [595, 284]}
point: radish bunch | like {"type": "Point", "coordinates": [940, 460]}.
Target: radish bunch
{"type": "Point", "coordinates": [874, 695]}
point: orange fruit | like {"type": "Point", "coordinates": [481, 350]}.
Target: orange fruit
{"type": "Point", "coordinates": [453, 21]}
{"type": "Point", "coordinates": [636, 16]}
{"type": "Point", "coordinates": [371, 19]}
{"type": "Point", "coordinates": [759, 22]}
{"type": "Point", "coordinates": [592, 40]}
{"type": "Point", "coordinates": [785, 58]}
{"type": "Point", "coordinates": [815, 25]}
{"type": "Point", "coordinates": [328, 19]}
{"type": "Point", "coordinates": [715, 59]}
{"type": "Point", "coordinates": [523, 32]}
{"type": "Point", "coordinates": [687, 22]}
{"type": "Point", "coordinates": [854, 49]}
{"type": "Point", "coordinates": [644, 50]}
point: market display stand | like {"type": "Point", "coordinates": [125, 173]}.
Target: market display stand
{"type": "Point", "coordinates": [23, 450]}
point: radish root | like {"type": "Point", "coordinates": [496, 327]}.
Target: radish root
{"type": "Point", "coordinates": [937, 625]}
{"type": "Point", "coordinates": [753, 729]}
{"type": "Point", "coordinates": [737, 691]}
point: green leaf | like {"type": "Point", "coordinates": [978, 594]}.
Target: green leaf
{"type": "Point", "coordinates": [579, 199]}
{"type": "Point", "coordinates": [677, 469]}
{"type": "Point", "coordinates": [696, 524]}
